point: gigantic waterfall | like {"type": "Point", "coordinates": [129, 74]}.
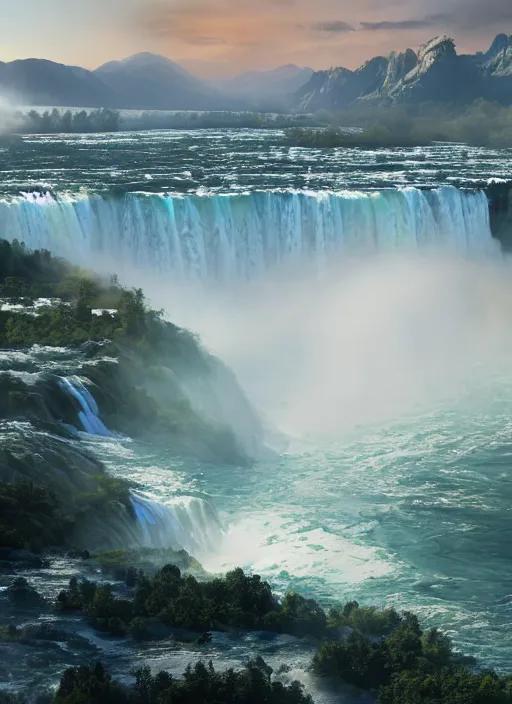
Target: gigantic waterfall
{"type": "Point", "coordinates": [223, 237]}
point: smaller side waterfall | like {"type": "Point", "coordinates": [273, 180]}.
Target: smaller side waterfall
{"type": "Point", "coordinates": [186, 522]}
{"type": "Point", "coordinates": [89, 415]}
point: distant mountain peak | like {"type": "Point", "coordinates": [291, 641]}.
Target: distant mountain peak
{"type": "Point", "coordinates": [498, 60]}
{"type": "Point", "coordinates": [500, 43]}
{"type": "Point", "coordinates": [440, 44]}
{"type": "Point", "coordinates": [143, 60]}
{"type": "Point", "coordinates": [145, 56]}
{"type": "Point", "coordinates": [154, 82]}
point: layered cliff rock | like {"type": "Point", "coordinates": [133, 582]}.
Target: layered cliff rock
{"type": "Point", "coordinates": [498, 60]}
{"type": "Point", "coordinates": [435, 73]}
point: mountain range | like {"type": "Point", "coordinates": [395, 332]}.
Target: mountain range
{"type": "Point", "coordinates": [144, 82]}
{"type": "Point", "coordinates": [150, 82]}
{"type": "Point", "coordinates": [435, 73]}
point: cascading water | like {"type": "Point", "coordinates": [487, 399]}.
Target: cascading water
{"type": "Point", "coordinates": [89, 415]}
{"type": "Point", "coordinates": [188, 523]}
{"type": "Point", "coordinates": [225, 237]}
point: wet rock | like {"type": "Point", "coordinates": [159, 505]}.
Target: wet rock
{"type": "Point", "coordinates": [499, 194]}
{"type": "Point", "coordinates": [79, 555]}
{"type": "Point", "coordinates": [22, 595]}
{"type": "Point", "coordinates": [22, 558]}
{"type": "Point", "coordinates": [204, 639]}
{"type": "Point", "coordinates": [157, 630]}
{"type": "Point", "coordinates": [92, 349]}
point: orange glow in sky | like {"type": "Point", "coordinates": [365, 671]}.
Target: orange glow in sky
{"type": "Point", "coordinates": [225, 37]}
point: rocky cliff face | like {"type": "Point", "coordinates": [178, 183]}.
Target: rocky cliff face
{"type": "Point", "coordinates": [435, 73]}
{"type": "Point", "coordinates": [499, 194]}
{"type": "Point", "coordinates": [498, 60]}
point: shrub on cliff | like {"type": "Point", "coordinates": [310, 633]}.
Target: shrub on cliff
{"type": "Point", "coordinates": [160, 365]}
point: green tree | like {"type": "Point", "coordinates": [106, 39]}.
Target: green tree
{"type": "Point", "coordinates": [132, 312]}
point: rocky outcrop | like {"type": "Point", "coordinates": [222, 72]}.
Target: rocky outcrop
{"type": "Point", "coordinates": [435, 73]}
{"type": "Point", "coordinates": [498, 60]}
{"type": "Point", "coordinates": [499, 194]}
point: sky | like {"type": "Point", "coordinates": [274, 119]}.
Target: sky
{"type": "Point", "coordinates": [215, 38]}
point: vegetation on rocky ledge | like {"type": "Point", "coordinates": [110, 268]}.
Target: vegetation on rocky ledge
{"type": "Point", "coordinates": [126, 565]}
{"type": "Point", "coordinates": [144, 391]}
{"type": "Point", "coordinates": [482, 124]}
{"type": "Point", "coordinates": [371, 137]}
{"type": "Point", "coordinates": [133, 362]}
{"type": "Point", "coordinates": [51, 491]}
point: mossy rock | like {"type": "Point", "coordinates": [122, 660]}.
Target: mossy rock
{"type": "Point", "coordinates": [121, 564]}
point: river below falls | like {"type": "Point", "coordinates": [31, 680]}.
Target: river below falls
{"type": "Point", "coordinates": [389, 377]}
{"type": "Point", "coordinates": [414, 514]}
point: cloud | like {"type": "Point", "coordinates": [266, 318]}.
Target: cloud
{"type": "Point", "coordinates": [398, 25]}
{"type": "Point", "coordinates": [474, 15]}
{"type": "Point", "coordinates": [229, 36]}
{"type": "Point", "coordinates": [207, 41]}
{"type": "Point", "coordinates": [465, 16]}
{"type": "Point", "coordinates": [333, 26]}
{"type": "Point", "coordinates": [228, 23]}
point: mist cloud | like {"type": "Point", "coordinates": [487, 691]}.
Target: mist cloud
{"type": "Point", "coordinates": [371, 339]}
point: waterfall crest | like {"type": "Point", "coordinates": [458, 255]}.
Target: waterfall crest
{"type": "Point", "coordinates": [226, 237]}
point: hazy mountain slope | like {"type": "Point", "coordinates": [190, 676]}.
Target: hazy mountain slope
{"type": "Point", "coordinates": [41, 82]}
{"type": "Point", "coordinates": [152, 82]}
{"type": "Point", "coordinates": [266, 87]}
